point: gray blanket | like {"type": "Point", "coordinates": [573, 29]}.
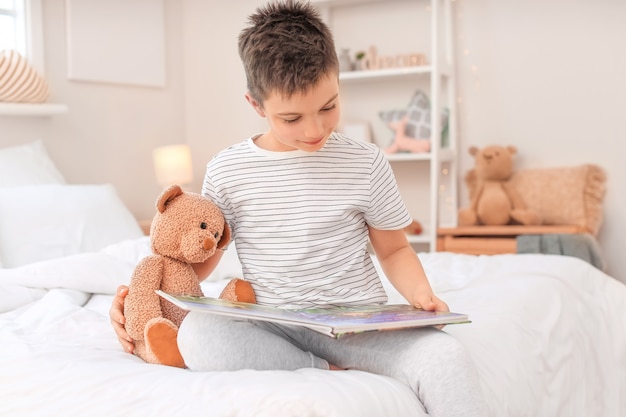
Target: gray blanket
{"type": "Point", "coordinates": [583, 246]}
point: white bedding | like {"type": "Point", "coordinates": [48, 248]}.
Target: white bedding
{"type": "Point", "coordinates": [548, 332]}
{"type": "Point", "coordinates": [548, 336]}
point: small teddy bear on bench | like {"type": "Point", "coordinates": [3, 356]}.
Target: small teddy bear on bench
{"type": "Point", "coordinates": [493, 200]}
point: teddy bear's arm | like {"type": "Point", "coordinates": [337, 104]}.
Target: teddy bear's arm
{"type": "Point", "coordinates": [142, 303]}
{"type": "Point", "coordinates": [516, 199]}
{"type": "Point", "coordinates": [519, 210]}
{"type": "Point", "coordinates": [478, 191]}
{"type": "Point", "coordinates": [471, 182]}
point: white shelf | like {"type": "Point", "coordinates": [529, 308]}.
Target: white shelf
{"type": "Point", "coordinates": [335, 3]}
{"type": "Point", "coordinates": [368, 75]}
{"type": "Point", "coordinates": [405, 156]}
{"type": "Point", "coordinates": [28, 109]}
{"type": "Point", "coordinates": [385, 73]}
{"type": "Point", "coordinates": [445, 155]}
{"type": "Point", "coordinates": [439, 75]}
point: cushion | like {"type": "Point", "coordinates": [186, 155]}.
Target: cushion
{"type": "Point", "coordinates": [418, 110]}
{"type": "Point", "coordinates": [50, 221]}
{"type": "Point", "coordinates": [28, 164]}
{"type": "Point", "coordinates": [564, 196]}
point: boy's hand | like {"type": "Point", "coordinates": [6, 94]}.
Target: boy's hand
{"type": "Point", "coordinates": [116, 314]}
{"type": "Point", "coordinates": [430, 302]}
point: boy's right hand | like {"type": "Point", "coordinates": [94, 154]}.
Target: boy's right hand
{"type": "Point", "coordinates": [116, 314]}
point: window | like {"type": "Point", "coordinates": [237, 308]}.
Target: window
{"type": "Point", "coordinates": [21, 29]}
{"type": "Point", "coordinates": [12, 26]}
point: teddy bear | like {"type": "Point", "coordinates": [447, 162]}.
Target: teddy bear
{"type": "Point", "coordinates": [493, 200]}
{"type": "Point", "coordinates": [415, 228]}
{"type": "Point", "coordinates": [187, 228]}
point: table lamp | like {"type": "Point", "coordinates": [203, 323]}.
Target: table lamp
{"type": "Point", "coordinates": [172, 165]}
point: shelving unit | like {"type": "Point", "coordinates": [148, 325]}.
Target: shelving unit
{"type": "Point", "coordinates": [25, 109]}
{"type": "Point", "coordinates": [438, 75]}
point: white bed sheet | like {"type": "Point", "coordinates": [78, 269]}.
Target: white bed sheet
{"type": "Point", "coordinates": [548, 336]}
{"type": "Point", "coordinates": [68, 363]}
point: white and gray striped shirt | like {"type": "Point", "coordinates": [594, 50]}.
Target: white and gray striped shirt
{"type": "Point", "coordinates": [299, 219]}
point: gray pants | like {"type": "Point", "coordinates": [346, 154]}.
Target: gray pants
{"type": "Point", "coordinates": [430, 361]}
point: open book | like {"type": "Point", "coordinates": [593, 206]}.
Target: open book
{"type": "Point", "coordinates": [333, 321]}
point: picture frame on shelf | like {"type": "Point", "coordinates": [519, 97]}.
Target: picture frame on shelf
{"type": "Point", "coordinates": [357, 129]}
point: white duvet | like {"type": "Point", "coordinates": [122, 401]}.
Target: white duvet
{"type": "Point", "coordinates": [548, 336]}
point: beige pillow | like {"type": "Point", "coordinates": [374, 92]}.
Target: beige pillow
{"type": "Point", "coordinates": [564, 196]}
{"type": "Point", "coordinates": [19, 82]}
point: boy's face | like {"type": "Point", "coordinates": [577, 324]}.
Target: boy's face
{"type": "Point", "coordinates": [304, 121]}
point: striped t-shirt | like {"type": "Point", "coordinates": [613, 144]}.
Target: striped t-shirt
{"type": "Point", "coordinates": [299, 219]}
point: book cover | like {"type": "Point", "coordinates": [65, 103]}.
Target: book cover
{"type": "Point", "coordinates": [332, 321]}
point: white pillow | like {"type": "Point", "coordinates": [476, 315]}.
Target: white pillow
{"type": "Point", "coordinates": [50, 221]}
{"type": "Point", "coordinates": [28, 164]}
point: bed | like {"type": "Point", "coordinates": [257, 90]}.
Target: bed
{"type": "Point", "coordinates": [548, 332]}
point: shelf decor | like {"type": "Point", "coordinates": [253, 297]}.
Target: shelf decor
{"type": "Point", "coordinates": [19, 82]}
{"type": "Point", "coordinates": [359, 130]}
{"type": "Point", "coordinates": [372, 60]}
{"type": "Point", "coordinates": [411, 126]}
{"type": "Point", "coordinates": [345, 61]}
{"type": "Point", "coordinates": [389, 66]}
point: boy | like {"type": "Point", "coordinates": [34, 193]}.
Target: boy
{"type": "Point", "coordinates": [303, 202]}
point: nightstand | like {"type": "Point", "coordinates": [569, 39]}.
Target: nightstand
{"type": "Point", "coordinates": [491, 240]}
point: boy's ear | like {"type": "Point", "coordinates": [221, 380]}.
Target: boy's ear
{"type": "Point", "coordinates": [255, 104]}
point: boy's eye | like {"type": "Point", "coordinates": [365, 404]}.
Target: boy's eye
{"type": "Point", "coordinates": [291, 120]}
{"type": "Point", "coordinates": [329, 108]}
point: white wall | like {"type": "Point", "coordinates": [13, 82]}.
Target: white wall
{"type": "Point", "coordinates": [545, 76]}
{"type": "Point", "coordinates": [217, 114]}
{"type": "Point", "coordinates": [110, 130]}
{"type": "Point", "coordinates": [548, 77]}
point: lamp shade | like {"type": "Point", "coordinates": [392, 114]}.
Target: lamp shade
{"type": "Point", "coordinates": [172, 165]}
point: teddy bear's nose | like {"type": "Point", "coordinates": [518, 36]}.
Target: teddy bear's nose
{"type": "Point", "coordinates": [208, 244]}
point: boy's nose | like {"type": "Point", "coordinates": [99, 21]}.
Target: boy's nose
{"type": "Point", "coordinates": [314, 128]}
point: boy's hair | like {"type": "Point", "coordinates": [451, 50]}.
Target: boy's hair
{"type": "Point", "coordinates": [286, 49]}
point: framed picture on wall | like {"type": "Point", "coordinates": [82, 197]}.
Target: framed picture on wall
{"type": "Point", "coordinates": [116, 41]}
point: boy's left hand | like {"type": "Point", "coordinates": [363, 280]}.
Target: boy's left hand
{"type": "Point", "coordinates": [430, 302]}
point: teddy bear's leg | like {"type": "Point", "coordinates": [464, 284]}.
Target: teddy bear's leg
{"type": "Point", "coordinates": [526, 217]}
{"type": "Point", "coordinates": [141, 351]}
{"type": "Point", "coordinates": [160, 337]}
{"type": "Point", "coordinates": [467, 217]}
{"type": "Point", "coordinates": [238, 290]}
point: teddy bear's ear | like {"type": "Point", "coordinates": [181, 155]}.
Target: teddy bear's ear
{"type": "Point", "coordinates": [512, 150]}
{"type": "Point", "coordinates": [225, 239]}
{"type": "Point", "coordinates": [168, 195]}
{"type": "Point", "coordinates": [473, 150]}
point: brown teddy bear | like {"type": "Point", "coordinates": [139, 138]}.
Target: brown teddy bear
{"type": "Point", "coordinates": [415, 228]}
{"type": "Point", "coordinates": [493, 201]}
{"type": "Point", "coordinates": [187, 229]}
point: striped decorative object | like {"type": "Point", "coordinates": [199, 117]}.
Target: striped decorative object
{"type": "Point", "coordinates": [19, 82]}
